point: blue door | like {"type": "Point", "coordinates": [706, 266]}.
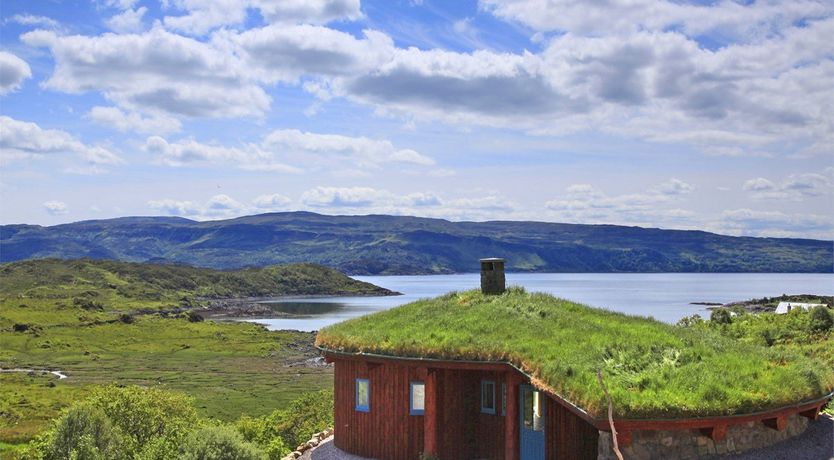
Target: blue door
{"type": "Point", "coordinates": [531, 423]}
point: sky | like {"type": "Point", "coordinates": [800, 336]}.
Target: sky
{"type": "Point", "coordinates": [715, 116]}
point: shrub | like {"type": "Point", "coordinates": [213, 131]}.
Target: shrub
{"type": "Point", "coordinates": [83, 433]}
{"type": "Point", "coordinates": [721, 316]}
{"type": "Point", "coordinates": [218, 443]}
{"type": "Point", "coordinates": [821, 319]}
{"type": "Point", "coordinates": [194, 317]}
{"type": "Point", "coordinates": [279, 432]}
{"type": "Point", "coordinates": [126, 318]}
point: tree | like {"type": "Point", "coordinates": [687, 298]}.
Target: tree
{"type": "Point", "coordinates": [721, 316]}
{"type": "Point", "coordinates": [84, 433]}
{"type": "Point", "coordinates": [219, 443]}
{"type": "Point", "coordinates": [821, 319]}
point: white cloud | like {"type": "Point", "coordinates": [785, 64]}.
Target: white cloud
{"type": "Point", "coordinates": [134, 122]}
{"type": "Point", "coordinates": [55, 208]}
{"type": "Point", "coordinates": [776, 224]}
{"type": "Point", "coordinates": [756, 96]}
{"type": "Point", "coordinates": [367, 200]}
{"type": "Point", "coordinates": [33, 20]}
{"type": "Point", "coordinates": [794, 187]}
{"type": "Point", "coordinates": [191, 152]}
{"type": "Point", "coordinates": [728, 19]}
{"type": "Point", "coordinates": [127, 21]}
{"type": "Point", "coordinates": [22, 140]}
{"type": "Point", "coordinates": [273, 202]}
{"type": "Point", "coordinates": [219, 206]}
{"type": "Point", "coordinates": [175, 207]}
{"type": "Point", "coordinates": [345, 197]}
{"type": "Point", "coordinates": [325, 150]}
{"type": "Point", "coordinates": [161, 72]}
{"type": "Point", "coordinates": [586, 204]}
{"type": "Point", "coordinates": [284, 53]}
{"type": "Point", "coordinates": [675, 187]}
{"type": "Point", "coordinates": [13, 71]}
{"type": "Point", "coordinates": [203, 16]}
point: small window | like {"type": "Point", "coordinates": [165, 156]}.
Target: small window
{"type": "Point", "coordinates": [417, 406]}
{"type": "Point", "coordinates": [488, 397]}
{"type": "Point", "coordinates": [488, 266]}
{"type": "Point", "coordinates": [363, 395]}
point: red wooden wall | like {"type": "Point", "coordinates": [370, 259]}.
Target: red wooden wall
{"type": "Point", "coordinates": [388, 431]}
{"type": "Point", "coordinates": [567, 436]}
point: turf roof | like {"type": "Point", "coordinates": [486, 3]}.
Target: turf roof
{"type": "Point", "coordinates": [652, 369]}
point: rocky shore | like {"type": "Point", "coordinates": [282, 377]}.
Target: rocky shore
{"type": "Point", "coordinates": [768, 304]}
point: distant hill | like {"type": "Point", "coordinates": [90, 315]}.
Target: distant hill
{"type": "Point", "coordinates": [379, 244]}
{"type": "Point", "coordinates": [106, 284]}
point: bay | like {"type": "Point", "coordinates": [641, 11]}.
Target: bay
{"type": "Point", "coordinates": [667, 297]}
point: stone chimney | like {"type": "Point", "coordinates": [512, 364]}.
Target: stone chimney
{"type": "Point", "coordinates": [492, 276]}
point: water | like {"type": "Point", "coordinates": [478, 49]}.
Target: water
{"type": "Point", "coordinates": [664, 296]}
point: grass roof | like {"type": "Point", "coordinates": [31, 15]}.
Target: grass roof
{"type": "Point", "coordinates": [652, 369]}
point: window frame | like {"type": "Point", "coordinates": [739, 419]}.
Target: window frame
{"type": "Point", "coordinates": [359, 407]}
{"type": "Point", "coordinates": [411, 409]}
{"type": "Point", "coordinates": [484, 385]}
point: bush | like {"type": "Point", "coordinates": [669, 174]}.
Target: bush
{"type": "Point", "coordinates": [83, 433]}
{"type": "Point", "coordinates": [218, 443]}
{"type": "Point", "coordinates": [821, 319]}
{"type": "Point", "coordinates": [281, 431]}
{"type": "Point", "coordinates": [194, 317]}
{"type": "Point", "coordinates": [121, 422]}
{"type": "Point", "coordinates": [126, 318]}
{"type": "Point", "coordinates": [721, 316]}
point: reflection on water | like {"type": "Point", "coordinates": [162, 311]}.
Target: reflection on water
{"type": "Point", "coordinates": [303, 308]}
{"type": "Point", "coordinates": [664, 296]}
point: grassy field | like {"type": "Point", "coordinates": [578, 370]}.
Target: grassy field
{"type": "Point", "coordinates": [69, 316]}
{"type": "Point", "coordinates": [652, 369]}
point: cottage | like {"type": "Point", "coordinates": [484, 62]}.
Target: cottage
{"type": "Point", "coordinates": [786, 307]}
{"type": "Point", "coordinates": [504, 374]}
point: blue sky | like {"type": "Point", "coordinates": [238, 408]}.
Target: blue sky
{"type": "Point", "coordinates": [716, 116]}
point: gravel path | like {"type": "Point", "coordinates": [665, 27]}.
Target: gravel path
{"type": "Point", "coordinates": [327, 451]}
{"type": "Point", "coordinates": [816, 443]}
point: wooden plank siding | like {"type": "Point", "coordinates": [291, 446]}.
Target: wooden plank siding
{"type": "Point", "coordinates": [388, 432]}
{"type": "Point", "coordinates": [567, 436]}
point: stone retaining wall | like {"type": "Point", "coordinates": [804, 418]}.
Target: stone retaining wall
{"type": "Point", "coordinates": [691, 444]}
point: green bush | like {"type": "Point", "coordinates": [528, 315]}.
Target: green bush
{"type": "Point", "coordinates": [218, 443]}
{"type": "Point", "coordinates": [821, 319]}
{"type": "Point", "coordinates": [83, 433]}
{"type": "Point", "coordinates": [121, 422]}
{"type": "Point", "coordinates": [721, 316]}
{"type": "Point", "coordinates": [281, 431]}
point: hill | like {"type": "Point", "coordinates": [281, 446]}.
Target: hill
{"type": "Point", "coordinates": [379, 244]}
{"type": "Point", "coordinates": [82, 317]}
{"type": "Point", "coordinates": [108, 284]}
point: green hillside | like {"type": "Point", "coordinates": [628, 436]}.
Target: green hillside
{"type": "Point", "coordinates": [79, 317]}
{"type": "Point", "coordinates": [379, 244]}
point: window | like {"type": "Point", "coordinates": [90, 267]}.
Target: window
{"type": "Point", "coordinates": [363, 395]}
{"type": "Point", "coordinates": [532, 410]}
{"type": "Point", "coordinates": [488, 397]}
{"type": "Point", "coordinates": [417, 406]}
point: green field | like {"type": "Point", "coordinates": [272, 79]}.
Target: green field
{"type": "Point", "coordinates": [653, 370]}
{"type": "Point", "coordinates": [71, 316]}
